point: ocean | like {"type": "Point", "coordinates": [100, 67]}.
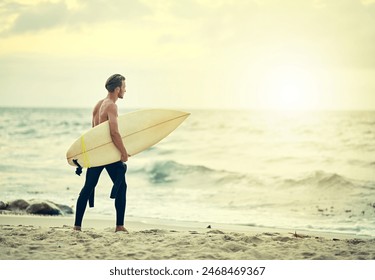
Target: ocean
{"type": "Point", "coordinates": [290, 170]}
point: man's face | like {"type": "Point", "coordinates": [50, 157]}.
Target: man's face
{"type": "Point", "coordinates": [122, 90]}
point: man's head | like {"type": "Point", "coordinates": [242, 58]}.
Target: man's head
{"type": "Point", "coordinates": [116, 84]}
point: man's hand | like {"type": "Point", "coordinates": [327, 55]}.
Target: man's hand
{"type": "Point", "coordinates": [124, 157]}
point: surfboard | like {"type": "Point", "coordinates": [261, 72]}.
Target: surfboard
{"type": "Point", "coordinates": [139, 130]}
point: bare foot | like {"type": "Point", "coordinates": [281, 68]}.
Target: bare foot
{"type": "Point", "coordinates": [121, 228]}
{"type": "Point", "coordinates": [77, 228]}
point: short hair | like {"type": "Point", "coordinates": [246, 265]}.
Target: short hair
{"type": "Point", "coordinates": [113, 82]}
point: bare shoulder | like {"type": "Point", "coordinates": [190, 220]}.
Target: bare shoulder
{"type": "Point", "coordinates": [97, 107]}
{"type": "Point", "coordinates": [112, 108]}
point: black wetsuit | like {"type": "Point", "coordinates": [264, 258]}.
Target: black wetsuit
{"type": "Point", "coordinates": [117, 172]}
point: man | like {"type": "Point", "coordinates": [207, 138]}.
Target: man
{"type": "Point", "coordinates": [106, 110]}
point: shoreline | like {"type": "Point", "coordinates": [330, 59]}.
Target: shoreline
{"type": "Point", "coordinates": [94, 221]}
{"type": "Point", "coordinates": [39, 237]}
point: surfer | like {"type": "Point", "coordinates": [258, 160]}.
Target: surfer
{"type": "Point", "coordinates": [106, 110]}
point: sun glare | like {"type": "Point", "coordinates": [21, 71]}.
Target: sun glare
{"type": "Point", "coordinates": [289, 87]}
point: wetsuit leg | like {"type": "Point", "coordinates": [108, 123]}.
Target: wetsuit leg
{"type": "Point", "coordinates": [92, 177]}
{"type": "Point", "coordinates": [117, 172]}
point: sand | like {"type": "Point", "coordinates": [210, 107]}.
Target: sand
{"type": "Point", "coordinates": [52, 238]}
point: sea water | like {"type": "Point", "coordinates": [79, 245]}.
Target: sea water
{"type": "Point", "coordinates": [291, 170]}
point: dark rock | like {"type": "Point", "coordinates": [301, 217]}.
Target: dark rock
{"type": "Point", "coordinates": [37, 207]}
{"type": "Point", "coordinates": [3, 205]}
{"type": "Point", "coordinates": [215, 231]}
{"type": "Point", "coordinates": [18, 205]}
{"type": "Point", "coordinates": [65, 209]}
{"type": "Point", "coordinates": [43, 208]}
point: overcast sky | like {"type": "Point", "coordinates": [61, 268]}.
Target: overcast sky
{"type": "Point", "coordinates": [257, 54]}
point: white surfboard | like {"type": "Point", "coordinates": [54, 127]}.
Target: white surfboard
{"type": "Point", "coordinates": [139, 130]}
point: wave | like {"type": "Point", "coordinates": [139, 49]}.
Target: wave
{"type": "Point", "coordinates": [24, 132]}
{"type": "Point", "coordinates": [169, 171]}
{"type": "Point", "coordinates": [323, 180]}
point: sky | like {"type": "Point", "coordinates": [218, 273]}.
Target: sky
{"type": "Point", "coordinates": [240, 54]}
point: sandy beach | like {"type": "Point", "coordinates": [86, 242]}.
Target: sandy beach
{"type": "Point", "coordinates": [24, 237]}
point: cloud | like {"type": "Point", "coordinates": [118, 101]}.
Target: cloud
{"type": "Point", "coordinates": [104, 10]}
{"type": "Point", "coordinates": [339, 31]}
{"type": "Point", "coordinates": [39, 17]}
{"type": "Point", "coordinates": [48, 15]}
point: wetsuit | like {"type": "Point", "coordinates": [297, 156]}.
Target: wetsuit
{"type": "Point", "coordinates": [117, 172]}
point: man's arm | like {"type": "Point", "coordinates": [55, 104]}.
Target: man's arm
{"type": "Point", "coordinates": [115, 134]}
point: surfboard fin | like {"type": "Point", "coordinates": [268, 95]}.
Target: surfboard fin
{"type": "Point", "coordinates": [79, 167]}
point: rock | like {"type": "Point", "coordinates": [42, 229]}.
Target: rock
{"type": "Point", "coordinates": [3, 205]}
{"type": "Point", "coordinates": [65, 209]}
{"type": "Point", "coordinates": [215, 231]}
{"type": "Point", "coordinates": [18, 205]}
{"type": "Point", "coordinates": [37, 207]}
{"type": "Point", "coordinates": [43, 208]}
